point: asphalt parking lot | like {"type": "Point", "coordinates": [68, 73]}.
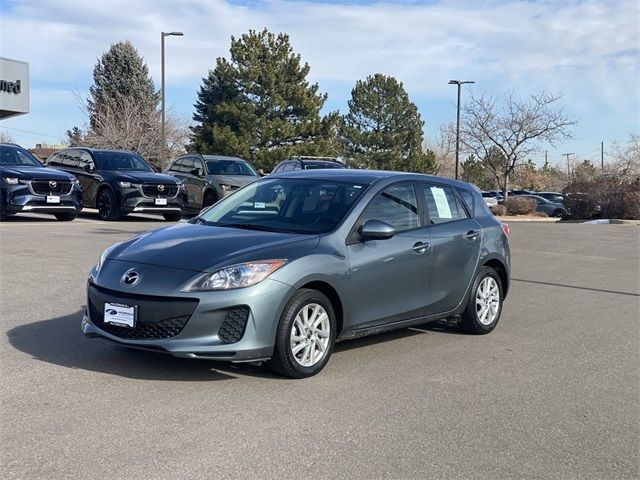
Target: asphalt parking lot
{"type": "Point", "coordinates": [552, 393]}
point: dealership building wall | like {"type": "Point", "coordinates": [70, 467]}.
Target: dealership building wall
{"type": "Point", "coordinates": [14, 88]}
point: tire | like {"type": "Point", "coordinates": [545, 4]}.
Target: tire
{"type": "Point", "coordinates": [172, 217]}
{"type": "Point", "coordinates": [291, 357]}
{"type": "Point", "coordinates": [559, 213]}
{"type": "Point", "coordinates": [107, 206]}
{"type": "Point", "coordinates": [3, 213]}
{"type": "Point", "coordinates": [472, 319]}
{"type": "Point", "coordinates": [66, 217]}
{"type": "Point", "coordinates": [209, 199]}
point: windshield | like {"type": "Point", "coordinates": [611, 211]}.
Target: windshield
{"type": "Point", "coordinates": [120, 161]}
{"type": "Point", "coordinates": [230, 167]}
{"type": "Point", "coordinates": [17, 157]}
{"type": "Point", "coordinates": [286, 205]}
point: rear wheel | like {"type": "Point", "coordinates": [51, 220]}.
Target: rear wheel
{"type": "Point", "coordinates": [485, 303]}
{"type": "Point", "coordinates": [172, 217]}
{"type": "Point", "coordinates": [66, 217]}
{"type": "Point", "coordinates": [306, 335]}
{"type": "Point", "coordinates": [107, 207]}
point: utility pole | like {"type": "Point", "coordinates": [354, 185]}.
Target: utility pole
{"type": "Point", "coordinates": [546, 162]}
{"type": "Point", "coordinates": [458, 83]}
{"type": "Point", "coordinates": [601, 155]}
{"type": "Point", "coordinates": [568, 169]}
{"type": "Point", "coordinates": [162, 134]}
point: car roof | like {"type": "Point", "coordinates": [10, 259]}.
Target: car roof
{"type": "Point", "coordinates": [220, 157]}
{"type": "Point", "coordinates": [105, 150]}
{"type": "Point", "coordinates": [366, 176]}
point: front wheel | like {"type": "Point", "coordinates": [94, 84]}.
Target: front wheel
{"type": "Point", "coordinates": [306, 335]}
{"type": "Point", "coordinates": [107, 207]}
{"type": "Point", "coordinates": [485, 303]}
{"type": "Point", "coordinates": [172, 217]}
{"type": "Point", "coordinates": [66, 217]}
{"type": "Point", "coordinates": [559, 213]}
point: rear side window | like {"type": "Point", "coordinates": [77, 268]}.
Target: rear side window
{"type": "Point", "coordinates": [468, 198]}
{"type": "Point", "coordinates": [442, 204]}
{"type": "Point", "coordinates": [397, 205]}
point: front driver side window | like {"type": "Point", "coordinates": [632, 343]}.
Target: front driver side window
{"type": "Point", "coordinates": [397, 205]}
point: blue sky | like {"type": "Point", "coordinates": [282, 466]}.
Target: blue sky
{"type": "Point", "coordinates": [590, 51]}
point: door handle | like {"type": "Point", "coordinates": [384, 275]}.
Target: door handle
{"type": "Point", "coordinates": [421, 247]}
{"type": "Point", "coordinates": [472, 234]}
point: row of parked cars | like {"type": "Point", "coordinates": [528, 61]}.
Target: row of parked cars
{"type": "Point", "coordinates": [118, 183]}
{"type": "Point", "coordinates": [551, 203]}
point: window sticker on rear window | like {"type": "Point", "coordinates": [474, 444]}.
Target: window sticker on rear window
{"type": "Point", "coordinates": [444, 211]}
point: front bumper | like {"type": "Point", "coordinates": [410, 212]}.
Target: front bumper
{"type": "Point", "coordinates": [19, 198]}
{"type": "Point", "coordinates": [235, 325]}
{"type": "Point", "coordinates": [132, 200]}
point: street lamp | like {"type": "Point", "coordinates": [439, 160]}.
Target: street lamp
{"type": "Point", "coordinates": [162, 35]}
{"type": "Point", "coordinates": [458, 83]}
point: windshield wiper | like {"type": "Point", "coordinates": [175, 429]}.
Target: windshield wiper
{"type": "Point", "coordinates": [249, 226]}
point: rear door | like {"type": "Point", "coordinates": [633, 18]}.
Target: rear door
{"type": "Point", "coordinates": [388, 278]}
{"type": "Point", "coordinates": [455, 246]}
{"type": "Point", "coordinates": [86, 174]}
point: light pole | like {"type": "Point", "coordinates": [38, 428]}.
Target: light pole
{"type": "Point", "coordinates": [458, 83]}
{"type": "Point", "coordinates": [162, 35]}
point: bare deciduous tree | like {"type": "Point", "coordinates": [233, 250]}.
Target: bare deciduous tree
{"type": "Point", "coordinates": [123, 122]}
{"type": "Point", "coordinates": [516, 129]}
{"type": "Point", "coordinates": [5, 137]}
{"type": "Point", "coordinates": [626, 159]}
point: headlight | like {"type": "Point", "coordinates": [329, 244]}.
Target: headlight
{"type": "Point", "coordinates": [128, 184]}
{"type": "Point", "coordinates": [228, 188]}
{"type": "Point", "coordinates": [75, 182]}
{"type": "Point", "coordinates": [181, 186]}
{"type": "Point", "coordinates": [10, 180]}
{"type": "Point", "coordinates": [235, 276]}
{"type": "Point", "coordinates": [104, 255]}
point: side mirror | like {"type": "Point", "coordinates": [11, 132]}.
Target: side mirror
{"type": "Point", "coordinates": [196, 172]}
{"type": "Point", "coordinates": [376, 230]}
{"type": "Point", "coordinates": [88, 168]}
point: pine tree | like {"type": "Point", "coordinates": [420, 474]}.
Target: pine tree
{"type": "Point", "coordinates": [383, 128]}
{"type": "Point", "coordinates": [259, 105]}
{"type": "Point", "coordinates": [121, 72]}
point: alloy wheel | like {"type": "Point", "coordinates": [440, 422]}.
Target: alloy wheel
{"type": "Point", "coordinates": [487, 301]}
{"type": "Point", "coordinates": [310, 333]}
{"type": "Point", "coordinates": [104, 204]}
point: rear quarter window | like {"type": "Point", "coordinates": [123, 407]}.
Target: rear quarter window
{"type": "Point", "coordinates": [468, 198]}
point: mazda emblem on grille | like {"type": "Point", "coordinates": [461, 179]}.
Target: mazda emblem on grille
{"type": "Point", "coordinates": [53, 184]}
{"type": "Point", "coordinates": [161, 188]}
{"type": "Point", "coordinates": [130, 278]}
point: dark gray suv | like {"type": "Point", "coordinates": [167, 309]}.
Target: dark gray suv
{"type": "Point", "coordinates": [208, 178]}
{"type": "Point", "coordinates": [288, 265]}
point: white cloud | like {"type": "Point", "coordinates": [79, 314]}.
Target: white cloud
{"type": "Point", "coordinates": [588, 49]}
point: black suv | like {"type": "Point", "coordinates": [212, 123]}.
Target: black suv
{"type": "Point", "coordinates": [28, 186]}
{"type": "Point", "coordinates": [119, 182]}
{"type": "Point", "coordinates": [307, 163]}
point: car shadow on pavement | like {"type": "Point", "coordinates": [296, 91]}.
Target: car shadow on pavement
{"type": "Point", "coordinates": [59, 341]}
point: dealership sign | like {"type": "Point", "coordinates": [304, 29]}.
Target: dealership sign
{"type": "Point", "coordinates": [14, 88]}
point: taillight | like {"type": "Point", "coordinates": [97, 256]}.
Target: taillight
{"type": "Point", "coordinates": [505, 228]}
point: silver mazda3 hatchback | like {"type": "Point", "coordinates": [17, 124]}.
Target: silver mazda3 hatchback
{"type": "Point", "coordinates": [286, 266]}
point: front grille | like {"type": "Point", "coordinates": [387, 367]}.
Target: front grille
{"type": "Point", "coordinates": [157, 318]}
{"type": "Point", "coordinates": [160, 190]}
{"type": "Point", "coordinates": [232, 329]}
{"type": "Point", "coordinates": [51, 187]}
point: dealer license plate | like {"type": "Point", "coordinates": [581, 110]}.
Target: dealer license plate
{"type": "Point", "coordinates": [161, 201]}
{"type": "Point", "coordinates": [119, 314]}
{"type": "Point", "coordinates": [53, 199]}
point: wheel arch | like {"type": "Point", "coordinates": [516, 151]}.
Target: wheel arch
{"type": "Point", "coordinates": [501, 270]}
{"type": "Point", "coordinates": [334, 298]}
{"type": "Point", "coordinates": [101, 187]}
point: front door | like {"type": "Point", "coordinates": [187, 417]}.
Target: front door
{"type": "Point", "coordinates": [388, 278]}
{"type": "Point", "coordinates": [455, 247]}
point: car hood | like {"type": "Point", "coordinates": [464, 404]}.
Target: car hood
{"type": "Point", "coordinates": [202, 248]}
{"type": "Point", "coordinates": [145, 177]}
{"type": "Point", "coordinates": [35, 173]}
{"type": "Point", "coordinates": [235, 180]}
